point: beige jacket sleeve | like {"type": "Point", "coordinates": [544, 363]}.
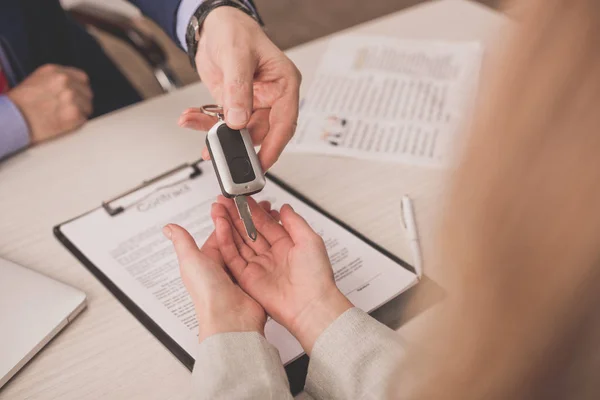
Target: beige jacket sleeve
{"type": "Point", "coordinates": [353, 359]}
{"type": "Point", "coordinates": [238, 365]}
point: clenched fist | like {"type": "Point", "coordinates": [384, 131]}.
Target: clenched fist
{"type": "Point", "coordinates": [54, 100]}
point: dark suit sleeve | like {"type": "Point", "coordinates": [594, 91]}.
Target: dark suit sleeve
{"type": "Point", "coordinates": [163, 12]}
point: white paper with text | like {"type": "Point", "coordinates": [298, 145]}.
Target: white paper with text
{"type": "Point", "coordinates": [130, 250]}
{"type": "Point", "coordinates": [386, 99]}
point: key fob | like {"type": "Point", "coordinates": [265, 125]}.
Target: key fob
{"type": "Point", "coordinates": [235, 161]}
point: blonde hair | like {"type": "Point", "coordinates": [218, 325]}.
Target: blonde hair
{"type": "Point", "coordinates": [520, 240]}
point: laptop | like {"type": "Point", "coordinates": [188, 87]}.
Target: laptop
{"type": "Point", "coordinates": [33, 309]}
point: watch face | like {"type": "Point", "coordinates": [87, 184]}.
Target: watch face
{"type": "Point", "coordinates": [196, 26]}
{"type": "Point", "coordinates": [194, 21]}
{"type": "Point", "coordinates": [192, 28]}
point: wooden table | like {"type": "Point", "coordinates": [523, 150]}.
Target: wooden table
{"type": "Point", "coordinates": [106, 353]}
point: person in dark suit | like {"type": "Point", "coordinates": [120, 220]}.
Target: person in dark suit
{"type": "Point", "coordinates": [54, 76]}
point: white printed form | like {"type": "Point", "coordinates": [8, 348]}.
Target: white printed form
{"type": "Point", "coordinates": [130, 250]}
{"type": "Point", "coordinates": [389, 100]}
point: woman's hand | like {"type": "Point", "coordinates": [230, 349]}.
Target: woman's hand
{"type": "Point", "coordinates": [255, 82]}
{"type": "Point", "coordinates": [221, 306]}
{"type": "Point", "coordinates": [286, 269]}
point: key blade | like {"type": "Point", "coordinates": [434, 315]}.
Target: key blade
{"type": "Point", "coordinates": [241, 202]}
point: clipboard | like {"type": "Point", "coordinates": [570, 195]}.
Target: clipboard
{"type": "Point", "coordinates": [296, 370]}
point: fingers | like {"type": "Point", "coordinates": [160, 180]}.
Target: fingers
{"type": "Point", "coordinates": [81, 101]}
{"type": "Point", "coordinates": [211, 248]}
{"type": "Point", "coordinates": [266, 205]}
{"type": "Point", "coordinates": [268, 228]}
{"type": "Point", "coordinates": [193, 118]}
{"type": "Point", "coordinates": [199, 268]}
{"type": "Point", "coordinates": [74, 110]}
{"type": "Point", "coordinates": [185, 246]}
{"type": "Point", "coordinates": [275, 215]}
{"type": "Point", "coordinates": [76, 74]}
{"type": "Point", "coordinates": [296, 226]}
{"type": "Point", "coordinates": [258, 127]}
{"type": "Point", "coordinates": [260, 245]}
{"type": "Point", "coordinates": [282, 119]}
{"type": "Point", "coordinates": [82, 89]}
{"type": "Point", "coordinates": [72, 87]}
{"type": "Point", "coordinates": [229, 250]}
{"type": "Point", "coordinates": [238, 76]}
{"type": "Point", "coordinates": [219, 211]}
{"type": "Point", "coordinates": [264, 222]}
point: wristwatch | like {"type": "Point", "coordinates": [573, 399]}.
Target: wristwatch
{"type": "Point", "coordinates": [192, 35]}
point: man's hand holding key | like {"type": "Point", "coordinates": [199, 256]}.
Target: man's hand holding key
{"type": "Point", "coordinates": [255, 82]}
{"type": "Point", "coordinates": [258, 87]}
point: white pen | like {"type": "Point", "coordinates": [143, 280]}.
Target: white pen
{"type": "Point", "coordinates": [408, 217]}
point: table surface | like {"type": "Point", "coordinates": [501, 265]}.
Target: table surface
{"type": "Point", "coordinates": [106, 352]}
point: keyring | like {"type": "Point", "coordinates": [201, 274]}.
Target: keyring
{"type": "Point", "coordinates": [213, 110]}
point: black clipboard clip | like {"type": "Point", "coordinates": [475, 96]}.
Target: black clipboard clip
{"type": "Point", "coordinates": [196, 171]}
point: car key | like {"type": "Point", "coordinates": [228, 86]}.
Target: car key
{"type": "Point", "coordinates": [236, 164]}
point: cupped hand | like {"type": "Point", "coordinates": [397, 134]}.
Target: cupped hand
{"type": "Point", "coordinates": [54, 100]}
{"type": "Point", "coordinates": [255, 82]}
{"type": "Point", "coordinates": [221, 306]}
{"type": "Point", "coordinates": [286, 269]}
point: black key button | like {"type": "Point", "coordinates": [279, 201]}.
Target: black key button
{"type": "Point", "coordinates": [241, 170]}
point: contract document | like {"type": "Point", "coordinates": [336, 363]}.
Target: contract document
{"type": "Point", "coordinates": [386, 99]}
{"type": "Point", "coordinates": [124, 247]}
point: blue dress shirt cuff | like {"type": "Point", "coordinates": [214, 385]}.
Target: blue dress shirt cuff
{"type": "Point", "coordinates": [186, 10]}
{"type": "Point", "coordinates": [15, 132]}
